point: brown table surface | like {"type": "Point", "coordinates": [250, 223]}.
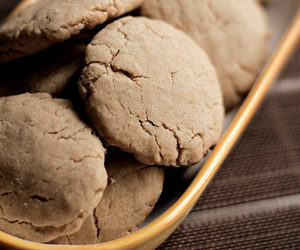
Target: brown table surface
{"type": "Point", "coordinates": [254, 200]}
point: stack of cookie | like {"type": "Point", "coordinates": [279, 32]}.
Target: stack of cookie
{"type": "Point", "coordinates": [152, 88]}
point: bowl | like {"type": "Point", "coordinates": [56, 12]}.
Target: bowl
{"type": "Point", "coordinates": [178, 199]}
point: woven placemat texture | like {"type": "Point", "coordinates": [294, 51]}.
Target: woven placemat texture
{"type": "Point", "coordinates": [292, 68]}
{"type": "Point", "coordinates": [237, 210]}
{"type": "Point", "coordinates": [279, 229]}
{"type": "Point", "coordinates": [265, 162]}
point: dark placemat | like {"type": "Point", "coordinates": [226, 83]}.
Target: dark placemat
{"type": "Point", "coordinates": [265, 162]}
{"type": "Point", "coordinates": [278, 229]}
{"type": "Point", "coordinates": [238, 208]}
{"type": "Point", "coordinates": [292, 68]}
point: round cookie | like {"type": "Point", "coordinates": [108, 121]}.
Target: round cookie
{"type": "Point", "coordinates": [46, 22]}
{"type": "Point", "coordinates": [131, 193]}
{"type": "Point", "coordinates": [52, 171]}
{"type": "Point", "coordinates": [232, 32]}
{"type": "Point", "coordinates": [150, 90]}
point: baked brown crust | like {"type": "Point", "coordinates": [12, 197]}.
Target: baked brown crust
{"type": "Point", "coordinates": [132, 191]}
{"type": "Point", "coordinates": [233, 33]}
{"type": "Point", "coordinates": [52, 172]}
{"type": "Point", "coordinates": [150, 90]}
{"type": "Point", "coordinates": [46, 22]}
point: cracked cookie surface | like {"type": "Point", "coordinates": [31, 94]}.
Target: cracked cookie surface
{"type": "Point", "coordinates": [47, 22]}
{"type": "Point", "coordinates": [132, 191]}
{"type": "Point", "coordinates": [52, 172]}
{"type": "Point", "coordinates": [234, 34]}
{"type": "Point", "coordinates": [150, 90]}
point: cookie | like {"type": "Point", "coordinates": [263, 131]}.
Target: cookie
{"type": "Point", "coordinates": [234, 34]}
{"type": "Point", "coordinates": [52, 171]}
{"type": "Point", "coordinates": [150, 90]}
{"type": "Point", "coordinates": [46, 22]}
{"type": "Point", "coordinates": [131, 193]}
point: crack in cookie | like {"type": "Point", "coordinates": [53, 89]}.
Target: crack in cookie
{"type": "Point", "coordinates": [150, 90]}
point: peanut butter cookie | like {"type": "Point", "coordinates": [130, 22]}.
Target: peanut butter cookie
{"type": "Point", "coordinates": [234, 34]}
{"type": "Point", "coordinates": [52, 172]}
{"type": "Point", "coordinates": [131, 193]}
{"type": "Point", "coordinates": [46, 22]}
{"type": "Point", "coordinates": [150, 90]}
